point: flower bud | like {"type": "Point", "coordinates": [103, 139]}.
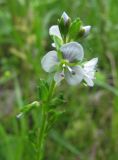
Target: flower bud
{"type": "Point", "coordinates": [66, 18]}
{"type": "Point", "coordinates": [86, 30]}
{"type": "Point", "coordinates": [64, 24]}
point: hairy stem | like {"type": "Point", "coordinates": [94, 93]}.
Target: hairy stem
{"type": "Point", "coordinates": [42, 134]}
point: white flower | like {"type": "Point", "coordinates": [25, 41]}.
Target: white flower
{"type": "Point", "coordinates": [89, 71]}
{"type": "Point", "coordinates": [67, 67]}
{"type": "Point", "coordinates": [71, 52]}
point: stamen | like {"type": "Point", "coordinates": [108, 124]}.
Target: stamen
{"type": "Point", "coordinates": [69, 69]}
{"type": "Point", "coordinates": [72, 71]}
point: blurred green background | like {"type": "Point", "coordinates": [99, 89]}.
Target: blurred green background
{"type": "Point", "coordinates": [89, 128]}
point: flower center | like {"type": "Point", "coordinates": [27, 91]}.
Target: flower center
{"type": "Point", "coordinates": [65, 64]}
{"type": "Point", "coordinates": [64, 61]}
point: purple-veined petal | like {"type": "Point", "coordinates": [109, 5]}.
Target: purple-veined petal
{"type": "Point", "coordinates": [72, 51]}
{"type": "Point", "coordinates": [49, 61]}
{"type": "Point", "coordinates": [75, 77]}
{"type": "Point", "coordinates": [54, 31]}
{"type": "Point", "coordinates": [58, 77]}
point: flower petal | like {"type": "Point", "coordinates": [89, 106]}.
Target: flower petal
{"type": "Point", "coordinates": [72, 51]}
{"type": "Point", "coordinates": [89, 71]}
{"type": "Point", "coordinates": [75, 78]}
{"type": "Point", "coordinates": [54, 31]}
{"type": "Point", "coordinates": [49, 61]}
{"type": "Point", "coordinates": [89, 81]}
{"type": "Point", "coordinates": [58, 77]}
{"type": "Point", "coordinates": [90, 65]}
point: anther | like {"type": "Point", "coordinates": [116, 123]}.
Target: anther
{"type": "Point", "coordinates": [73, 72]}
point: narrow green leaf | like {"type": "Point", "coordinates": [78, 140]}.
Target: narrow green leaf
{"type": "Point", "coordinates": [64, 143]}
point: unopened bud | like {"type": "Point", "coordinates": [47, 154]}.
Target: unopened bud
{"type": "Point", "coordinates": [64, 24]}
{"type": "Point", "coordinates": [65, 18]}
{"type": "Point", "coordinates": [86, 30]}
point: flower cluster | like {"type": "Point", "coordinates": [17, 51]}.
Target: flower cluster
{"type": "Point", "coordinates": [66, 61]}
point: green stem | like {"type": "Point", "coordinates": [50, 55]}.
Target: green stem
{"type": "Point", "coordinates": [51, 91]}
{"type": "Point", "coordinates": [42, 134]}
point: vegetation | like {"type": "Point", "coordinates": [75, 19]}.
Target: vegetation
{"type": "Point", "coordinates": [88, 130]}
